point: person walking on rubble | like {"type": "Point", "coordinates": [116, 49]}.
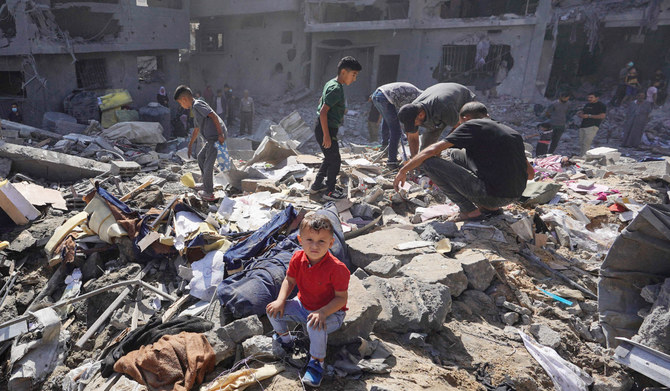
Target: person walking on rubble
{"type": "Point", "coordinates": [388, 99]}
{"type": "Point", "coordinates": [637, 117]}
{"type": "Point", "coordinates": [323, 282]}
{"type": "Point", "coordinates": [162, 97]}
{"type": "Point", "coordinates": [213, 131]}
{"type": "Point", "coordinates": [246, 113]}
{"type": "Point", "coordinates": [557, 113]}
{"type": "Point", "coordinates": [592, 115]}
{"type": "Point", "coordinates": [331, 114]}
{"type": "Point", "coordinates": [486, 168]}
{"type": "Point", "coordinates": [435, 109]}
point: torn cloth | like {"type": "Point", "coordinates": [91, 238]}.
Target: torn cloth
{"type": "Point", "coordinates": [243, 378]}
{"type": "Point", "coordinates": [178, 362]}
{"type": "Point", "coordinates": [149, 334]}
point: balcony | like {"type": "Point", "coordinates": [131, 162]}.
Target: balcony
{"type": "Point", "coordinates": [207, 8]}
{"type": "Point", "coordinates": [323, 16]}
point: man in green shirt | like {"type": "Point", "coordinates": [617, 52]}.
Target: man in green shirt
{"type": "Point", "coordinates": [331, 113]}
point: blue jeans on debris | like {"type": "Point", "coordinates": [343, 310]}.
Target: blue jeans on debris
{"type": "Point", "coordinates": [458, 181]}
{"type": "Point", "coordinates": [318, 339]}
{"type": "Point", "coordinates": [390, 124]}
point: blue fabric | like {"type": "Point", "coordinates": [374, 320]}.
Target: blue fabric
{"type": "Point", "coordinates": [390, 124]}
{"type": "Point", "coordinates": [116, 202]}
{"type": "Point", "coordinates": [249, 291]}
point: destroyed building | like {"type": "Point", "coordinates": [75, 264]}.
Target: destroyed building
{"type": "Point", "coordinates": [50, 48]}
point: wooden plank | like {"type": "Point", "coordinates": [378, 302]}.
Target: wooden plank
{"type": "Point", "coordinates": [143, 186]}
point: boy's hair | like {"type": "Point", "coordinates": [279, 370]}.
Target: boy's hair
{"type": "Point", "coordinates": [474, 109]}
{"type": "Point", "coordinates": [595, 93]}
{"type": "Point", "coordinates": [316, 222]}
{"type": "Point", "coordinates": [181, 90]}
{"type": "Point", "coordinates": [349, 63]}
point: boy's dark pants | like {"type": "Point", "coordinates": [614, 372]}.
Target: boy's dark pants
{"type": "Point", "coordinates": [556, 137]}
{"type": "Point", "coordinates": [541, 149]}
{"type": "Point", "coordinates": [331, 158]}
{"type": "Point", "coordinates": [206, 160]}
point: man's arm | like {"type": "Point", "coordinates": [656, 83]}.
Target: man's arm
{"type": "Point", "coordinates": [317, 319]}
{"type": "Point", "coordinates": [413, 141]}
{"type": "Point", "coordinates": [219, 129]}
{"type": "Point", "coordinates": [432, 150]}
{"type": "Point", "coordinates": [276, 308]}
{"type": "Point", "coordinates": [323, 119]}
{"type": "Point", "coordinates": [190, 143]}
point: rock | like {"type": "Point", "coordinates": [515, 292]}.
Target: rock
{"type": "Point", "coordinates": [517, 308]}
{"type": "Point", "coordinates": [655, 329]}
{"type": "Point", "coordinates": [589, 306]}
{"type": "Point", "coordinates": [5, 167]}
{"type": "Point", "coordinates": [477, 269]}
{"type": "Point", "coordinates": [22, 242]}
{"type": "Point", "coordinates": [526, 319]}
{"type": "Point", "coordinates": [650, 293]}
{"type": "Point", "coordinates": [570, 294]}
{"type": "Point", "coordinates": [510, 318]}
{"type": "Point", "coordinates": [430, 234]}
{"type": "Point", "coordinates": [596, 331]}
{"type": "Point", "coordinates": [618, 382]}
{"type": "Point", "coordinates": [512, 333]}
{"type": "Point", "coordinates": [364, 308]}
{"type": "Point", "coordinates": [259, 345]}
{"type": "Point", "coordinates": [473, 304]}
{"type": "Point", "coordinates": [361, 274]}
{"type": "Point", "coordinates": [583, 330]}
{"type": "Point", "coordinates": [408, 304]}
{"type": "Point", "coordinates": [545, 335]}
{"type": "Point", "coordinates": [368, 248]}
{"type": "Point", "coordinates": [384, 267]}
{"type": "Point", "coordinates": [224, 340]}
{"type": "Point", "coordinates": [434, 268]}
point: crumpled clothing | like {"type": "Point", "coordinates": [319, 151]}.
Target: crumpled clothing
{"type": "Point", "coordinates": [551, 163]}
{"type": "Point", "coordinates": [240, 380]}
{"type": "Point", "coordinates": [176, 362]}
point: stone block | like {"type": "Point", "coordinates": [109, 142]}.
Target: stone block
{"type": "Point", "coordinates": [435, 268]}
{"type": "Point", "coordinates": [477, 269]}
{"type": "Point", "coordinates": [259, 346]}
{"type": "Point", "coordinates": [545, 335]}
{"type": "Point", "coordinates": [368, 248]}
{"type": "Point", "coordinates": [384, 267]}
{"type": "Point", "coordinates": [362, 313]}
{"type": "Point", "coordinates": [224, 340]}
{"type": "Point", "coordinates": [408, 304]}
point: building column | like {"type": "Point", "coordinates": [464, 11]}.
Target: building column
{"type": "Point", "coordinates": [543, 16]}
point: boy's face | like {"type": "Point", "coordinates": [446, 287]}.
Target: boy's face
{"type": "Point", "coordinates": [185, 101]}
{"type": "Point", "coordinates": [315, 243]}
{"type": "Point", "coordinates": [592, 98]}
{"type": "Point", "coordinates": [348, 76]}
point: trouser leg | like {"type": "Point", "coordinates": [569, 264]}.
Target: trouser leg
{"type": "Point", "coordinates": [556, 137]}
{"type": "Point", "coordinates": [318, 339]}
{"type": "Point", "coordinates": [330, 167]}
{"type": "Point", "coordinates": [206, 160]}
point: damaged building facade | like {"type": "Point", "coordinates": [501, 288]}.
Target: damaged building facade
{"type": "Point", "coordinates": [525, 48]}
{"type": "Point", "coordinates": [51, 48]}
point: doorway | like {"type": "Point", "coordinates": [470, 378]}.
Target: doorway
{"type": "Point", "coordinates": [387, 71]}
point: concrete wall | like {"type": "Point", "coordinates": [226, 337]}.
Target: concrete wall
{"type": "Point", "coordinates": [207, 8]}
{"type": "Point", "coordinates": [254, 58]}
{"type": "Point", "coordinates": [58, 71]}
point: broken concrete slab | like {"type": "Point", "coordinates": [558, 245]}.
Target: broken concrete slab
{"type": "Point", "coordinates": [384, 267]}
{"type": "Point", "coordinates": [5, 167]}
{"type": "Point", "coordinates": [224, 339]}
{"type": "Point", "coordinates": [435, 268]}
{"type": "Point", "coordinates": [408, 304]}
{"type": "Point", "coordinates": [17, 207]}
{"type": "Point", "coordinates": [545, 335]}
{"type": "Point", "coordinates": [51, 165]}
{"type": "Point", "coordinates": [477, 269]}
{"type": "Point", "coordinates": [259, 346]}
{"type": "Point", "coordinates": [647, 171]}
{"type": "Point", "coordinates": [368, 248]}
{"type": "Point", "coordinates": [364, 308]}
{"type": "Point", "coordinates": [655, 329]}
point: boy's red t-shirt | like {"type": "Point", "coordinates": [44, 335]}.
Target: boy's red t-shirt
{"type": "Point", "coordinates": [317, 284]}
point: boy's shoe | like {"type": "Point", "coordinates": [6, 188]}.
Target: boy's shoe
{"type": "Point", "coordinates": [393, 165]}
{"type": "Point", "coordinates": [206, 196]}
{"type": "Point", "coordinates": [334, 195]}
{"type": "Point", "coordinates": [313, 374]}
{"type": "Point", "coordinates": [280, 348]}
{"type": "Point", "coordinates": [317, 187]}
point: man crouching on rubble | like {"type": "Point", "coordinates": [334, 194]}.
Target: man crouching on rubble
{"type": "Point", "coordinates": [213, 130]}
{"type": "Point", "coordinates": [322, 294]}
{"type": "Point", "coordinates": [487, 172]}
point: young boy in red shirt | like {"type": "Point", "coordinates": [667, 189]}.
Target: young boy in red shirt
{"type": "Point", "coordinates": [322, 282]}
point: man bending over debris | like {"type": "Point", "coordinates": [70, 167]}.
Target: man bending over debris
{"type": "Point", "coordinates": [487, 172]}
{"type": "Point", "coordinates": [435, 109]}
{"type": "Point", "coordinates": [213, 130]}
{"type": "Point", "coordinates": [322, 282]}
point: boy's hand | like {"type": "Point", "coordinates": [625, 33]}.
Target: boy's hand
{"type": "Point", "coordinates": [275, 309]}
{"type": "Point", "coordinates": [188, 153]}
{"type": "Point", "coordinates": [327, 142]}
{"type": "Point", "coordinates": [317, 320]}
{"type": "Point", "coordinates": [221, 139]}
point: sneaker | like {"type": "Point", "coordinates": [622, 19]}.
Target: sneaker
{"type": "Point", "coordinates": [313, 374]}
{"type": "Point", "coordinates": [334, 195]}
{"type": "Point", "coordinates": [317, 187]}
{"type": "Point", "coordinates": [206, 196]}
{"type": "Point", "coordinates": [393, 165]}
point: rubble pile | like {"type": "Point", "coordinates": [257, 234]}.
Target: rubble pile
{"type": "Point", "coordinates": [108, 257]}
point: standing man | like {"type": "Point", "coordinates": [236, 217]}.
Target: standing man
{"type": "Point", "coordinates": [592, 115]}
{"type": "Point", "coordinates": [388, 99]}
{"type": "Point", "coordinates": [435, 109]}
{"type": "Point", "coordinates": [489, 170]}
{"type": "Point", "coordinates": [230, 104]}
{"type": "Point", "coordinates": [209, 95]}
{"type": "Point", "coordinates": [246, 113]}
{"type": "Point", "coordinates": [637, 117]}
{"type": "Point", "coordinates": [557, 113]}
{"type": "Point", "coordinates": [213, 130]}
{"type": "Point", "coordinates": [220, 104]}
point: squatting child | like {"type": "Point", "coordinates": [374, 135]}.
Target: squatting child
{"type": "Point", "coordinates": [331, 113]}
{"type": "Point", "coordinates": [213, 130]}
{"type": "Point", "coordinates": [321, 302]}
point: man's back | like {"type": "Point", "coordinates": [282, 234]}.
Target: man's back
{"type": "Point", "coordinates": [497, 152]}
{"type": "Point", "coordinates": [442, 102]}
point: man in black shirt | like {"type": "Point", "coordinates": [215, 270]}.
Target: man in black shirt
{"type": "Point", "coordinates": [592, 116]}
{"type": "Point", "coordinates": [489, 170]}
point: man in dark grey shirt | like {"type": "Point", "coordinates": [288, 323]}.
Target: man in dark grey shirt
{"type": "Point", "coordinates": [557, 113]}
{"type": "Point", "coordinates": [388, 99]}
{"type": "Point", "coordinates": [435, 109]}
{"type": "Point", "coordinates": [213, 130]}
